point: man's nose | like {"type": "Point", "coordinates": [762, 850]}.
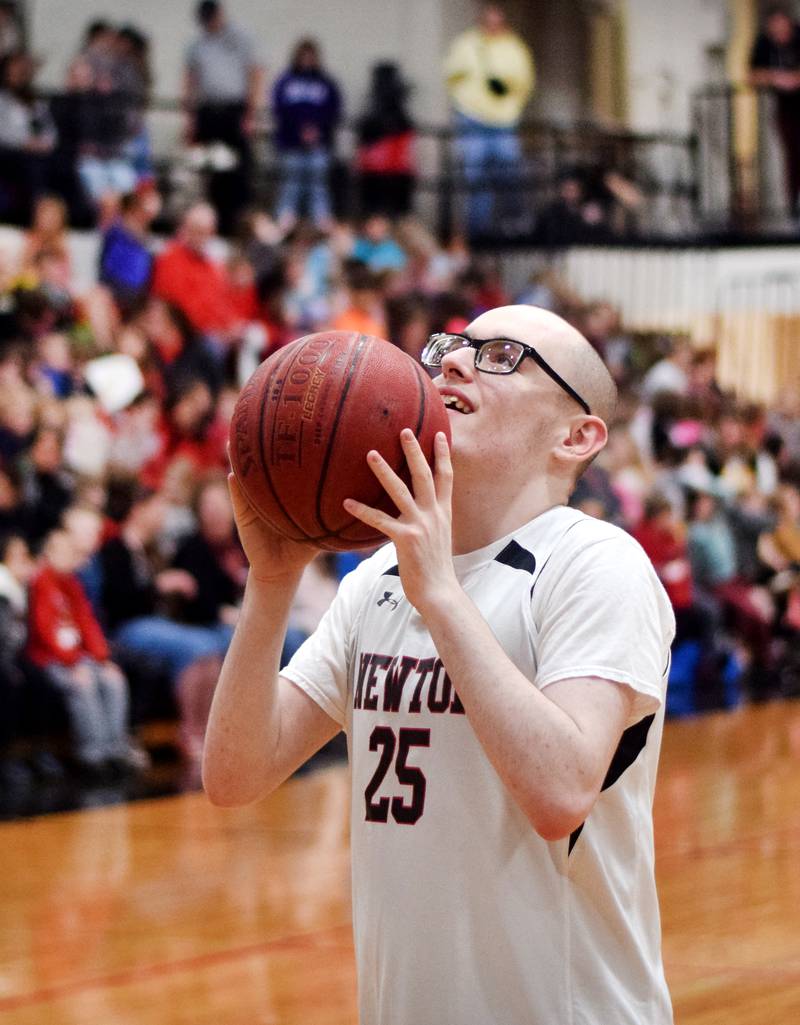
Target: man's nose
{"type": "Point", "coordinates": [459, 363]}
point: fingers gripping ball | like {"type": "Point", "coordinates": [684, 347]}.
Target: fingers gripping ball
{"type": "Point", "coordinates": [305, 421]}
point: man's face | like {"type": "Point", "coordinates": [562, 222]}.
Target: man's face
{"type": "Point", "coordinates": [511, 419]}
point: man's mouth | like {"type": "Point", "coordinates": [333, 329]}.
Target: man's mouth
{"type": "Point", "coordinates": [454, 402]}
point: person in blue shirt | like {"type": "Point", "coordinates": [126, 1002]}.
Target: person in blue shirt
{"type": "Point", "coordinates": [307, 107]}
{"type": "Point", "coordinates": [126, 261]}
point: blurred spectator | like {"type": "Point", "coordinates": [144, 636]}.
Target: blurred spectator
{"type": "Point", "coordinates": [67, 643]}
{"type": "Point", "coordinates": [223, 98]}
{"type": "Point", "coordinates": [364, 312]}
{"type": "Point", "coordinates": [93, 128]}
{"type": "Point", "coordinates": [84, 527]}
{"type": "Point", "coordinates": [45, 487]}
{"type": "Point", "coordinates": [188, 277]}
{"type": "Point", "coordinates": [215, 559]}
{"type": "Point", "coordinates": [258, 240]}
{"type": "Point", "coordinates": [747, 608]}
{"type": "Point", "coordinates": [430, 269]}
{"type": "Point", "coordinates": [385, 157]}
{"type": "Point", "coordinates": [16, 571]}
{"type": "Point", "coordinates": [99, 51]}
{"type": "Point", "coordinates": [490, 76]}
{"type": "Point", "coordinates": [134, 80]}
{"type": "Point", "coordinates": [10, 36]}
{"type": "Point", "coordinates": [671, 373]}
{"type": "Point", "coordinates": [306, 105]}
{"type": "Point", "coordinates": [134, 597]}
{"type": "Point", "coordinates": [126, 260]}
{"type": "Point", "coordinates": [376, 246]}
{"type": "Point", "coordinates": [775, 64]}
{"type": "Point", "coordinates": [47, 233]}
{"type": "Point", "coordinates": [27, 138]}
{"type": "Point", "coordinates": [191, 431]}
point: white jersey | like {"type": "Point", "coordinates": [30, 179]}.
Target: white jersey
{"type": "Point", "coordinates": [462, 913]}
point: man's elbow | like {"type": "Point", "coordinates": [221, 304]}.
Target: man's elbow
{"type": "Point", "coordinates": [231, 789]}
{"type": "Point", "coordinates": [556, 820]}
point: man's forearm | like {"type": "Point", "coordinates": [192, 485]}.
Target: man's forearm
{"type": "Point", "coordinates": [551, 767]}
{"type": "Point", "coordinates": [244, 724]}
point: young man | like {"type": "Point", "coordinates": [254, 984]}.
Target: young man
{"type": "Point", "coordinates": [500, 671]}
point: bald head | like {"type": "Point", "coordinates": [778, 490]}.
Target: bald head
{"type": "Point", "coordinates": [199, 225]}
{"type": "Point", "coordinates": [561, 345]}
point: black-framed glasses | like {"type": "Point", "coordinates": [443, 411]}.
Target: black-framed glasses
{"type": "Point", "coordinates": [494, 356]}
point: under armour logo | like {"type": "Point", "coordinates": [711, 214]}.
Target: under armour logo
{"type": "Point", "coordinates": [387, 599]}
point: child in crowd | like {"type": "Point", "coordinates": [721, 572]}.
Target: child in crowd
{"type": "Point", "coordinates": [67, 643]}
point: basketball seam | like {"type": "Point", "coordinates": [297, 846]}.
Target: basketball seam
{"type": "Point", "coordinates": [423, 398]}
{"type": "Point", "coordinates": [276, 369]}
{"type": "Point", "coordinates": [359, 348]}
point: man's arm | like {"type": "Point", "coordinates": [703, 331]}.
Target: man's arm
{"type": "Point", "coordinates": [551, 748]}
{"type": "Point", "coordinates": [261, 727]}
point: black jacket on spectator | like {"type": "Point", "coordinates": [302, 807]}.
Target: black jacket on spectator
{"type": "Point", "coordinates": [215, 587]}
{"type": "Point", "coordinates": [129, 590]}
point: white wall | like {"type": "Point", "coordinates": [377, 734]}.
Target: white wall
{"type": "Point", "coordinates": [354, 34]}
{"type": "Point", "coordinates": [666, 42]}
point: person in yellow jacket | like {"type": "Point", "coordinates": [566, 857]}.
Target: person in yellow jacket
{"type": "Point", "coordinates": [490, 76]}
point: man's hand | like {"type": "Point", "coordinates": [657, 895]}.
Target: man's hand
{"type": "Point", "coordinates": [271, 556]}
{"type": "Point", "coordinates": [422, 533]}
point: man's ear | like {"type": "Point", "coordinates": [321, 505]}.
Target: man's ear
{"type": "Point", "coordinates": [585, 438]}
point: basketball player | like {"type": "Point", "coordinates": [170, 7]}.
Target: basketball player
{"type": "Point", "coordinates": [500, 671]}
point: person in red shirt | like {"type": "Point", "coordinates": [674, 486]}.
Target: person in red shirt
{"type": "Point", "coordinates": [67, 643]}
{"type": "Point", "coordinates": [186, 276]}
{"type": "Point", "coordinates": [663, 536]}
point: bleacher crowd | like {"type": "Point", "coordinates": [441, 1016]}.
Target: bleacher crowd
{"type": "Point", "coordinates": [120, 569]}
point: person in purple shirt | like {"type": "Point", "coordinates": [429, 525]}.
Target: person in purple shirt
{"type": "Point", "coordinates": [307, 106]}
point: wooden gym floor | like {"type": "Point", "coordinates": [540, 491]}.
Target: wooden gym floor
{"type": "Point", "coordinates": [169, 911]}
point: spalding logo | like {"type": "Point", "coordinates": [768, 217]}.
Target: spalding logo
{"type": "Point", "coordinates": [243, 446]}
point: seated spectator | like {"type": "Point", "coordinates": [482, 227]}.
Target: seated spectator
{"type": "Point", "coordinates": [431, 270]}
{"type": "Point", "coordinates": [47, 233]}
{"type": "Point", "coordinates": [84, 526]}
{"type": "Point", "coordinates": [188, 277]}
{"type": "Point", "coordinates": [630, 478]}
{"type": "Point", "coordinates": [364, 312]}
{"type": "Point", "coordinates": [126, 260]}
{"type": "Point", "coordinates": [213, 556]}
{"type": "Point", "coordinates": [11, 515]}
{"type": "Point", "coordinates": [385, 158]}
{"type": "Point", "coordinates": [16, 571]}
{"type": "Point", "coordinates": [45, 488]}
{"type": "Point", "coordinates": [306, 106]}
{"type": "Point", "coordinates": [135, 594]}
{"type": "Point", "coordinates": [748, 609]}
{"type": "Point", "coordinates": [53, 371]}
{"type": "Point", "coordinates": [376, 246]}
{"type": "Point", "coordinates": [671, 373]}
{"type": "Point", "coordinates": [67, 643]}
{"type": "Point", "coordinates": [27, 139]}
{"type": "Point", "coordinates": [258, 239]}
{"type": "Point", "coordinates": [189, 431]}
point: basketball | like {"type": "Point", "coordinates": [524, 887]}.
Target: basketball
{"type": "Point", "coordinates": [307, 418]}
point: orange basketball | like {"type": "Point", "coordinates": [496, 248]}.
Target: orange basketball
{"type": "Point", "coordinates": [305, 421]}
